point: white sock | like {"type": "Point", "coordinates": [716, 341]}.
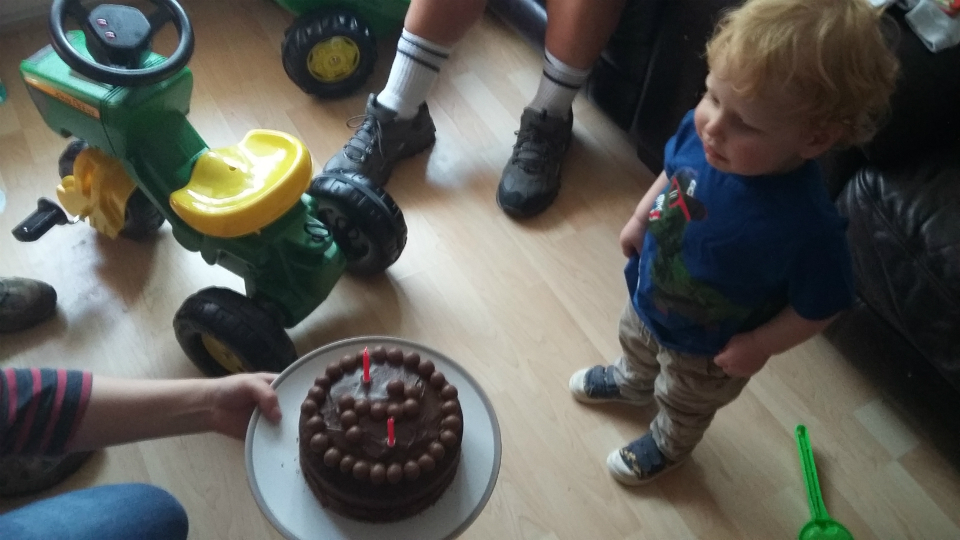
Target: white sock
{"type": "Point", "coordinates": [559, 84]}
{"type": "Point", "coordinates": [416, 66]}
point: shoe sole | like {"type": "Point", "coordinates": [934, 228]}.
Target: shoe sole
{"type": "Point", "coordinates": [631, 479]}
{"type": "Point", "coordinates": [576, 389]}
{"type": "Point", "coordinates": [527, 213]}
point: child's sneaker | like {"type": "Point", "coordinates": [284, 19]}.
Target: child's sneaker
{"type": "Point", "coordinates": [639, 462]}
{"type": "Point", "coordinates": [596, 385]}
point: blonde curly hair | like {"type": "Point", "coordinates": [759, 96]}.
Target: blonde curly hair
{"type": "Point", "coordinates": [829, 54]}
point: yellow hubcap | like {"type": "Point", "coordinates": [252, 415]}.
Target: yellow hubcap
{"type": "Point", "coordinates": [222, 354]}
{"type": "Point", "coordinates": [334, 59]}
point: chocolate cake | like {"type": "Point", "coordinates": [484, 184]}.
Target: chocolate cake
{"type": "Point", "coordinates": [345, 450]}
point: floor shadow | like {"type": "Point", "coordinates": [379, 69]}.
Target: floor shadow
{"type": "Point", "coordinates": [349, 318]}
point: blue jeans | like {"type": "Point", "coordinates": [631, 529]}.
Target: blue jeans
{"type": "Point", "coordinates": [117, 512]}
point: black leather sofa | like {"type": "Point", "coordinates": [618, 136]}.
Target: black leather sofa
{"type": "Point", "coordinates": [901, 192]}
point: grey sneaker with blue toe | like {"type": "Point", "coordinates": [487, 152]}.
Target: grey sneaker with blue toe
{"type": "Point", "coordinates": [597, 385]}
{"type": "Point", "coordinates": [639, 462]}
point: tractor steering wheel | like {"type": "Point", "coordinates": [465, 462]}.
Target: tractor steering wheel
{"type": "Point", "coordinates": [119, 39]}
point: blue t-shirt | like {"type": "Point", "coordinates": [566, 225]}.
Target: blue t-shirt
{"type": "Point", "coordinates": [724, 253]}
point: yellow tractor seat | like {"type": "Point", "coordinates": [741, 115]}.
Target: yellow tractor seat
{"type": "Point", "coordinates": [240, 189]}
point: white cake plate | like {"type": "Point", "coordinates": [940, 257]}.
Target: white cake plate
{"type": "Point", "coordinates": [273, 468]}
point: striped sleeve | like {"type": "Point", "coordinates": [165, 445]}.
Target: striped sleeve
{"type": "Point", "coordinates": [40, 409]}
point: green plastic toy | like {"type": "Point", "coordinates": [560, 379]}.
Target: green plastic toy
{"type": "Point", "coordinates": [330, 49]}
{"type": "Point", "coordinates": [820, 526]}
{"type": "Point", "coordinates": [252, 208]}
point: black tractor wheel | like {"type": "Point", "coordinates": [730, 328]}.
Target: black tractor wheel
{"type": "Point", "coordinates": [141, 218]}
{"type": "Point", "coordinates": [363, 218]}
{"type": "Point", "coordinates": [329, 54]}
{"type": "Point", "coordinates": [224, 332]}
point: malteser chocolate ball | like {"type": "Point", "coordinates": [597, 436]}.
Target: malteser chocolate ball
{"type": "Point", "coordinates": [316, 393]}
{"type": "Point", "coordinates": [319, 442]}
{"type": "Point", "coordinates": [354, 434]}
{"type": "Point", "coordinates": [362, 406]}
{"type": "Point", "coordinates": [395, 410]}
{"type": "Point", "coordinates": [377, 353]}
{"type": "Point", "coordinates": [323, 382]}
{"type": "Point", "coordinates": [361, 470]}
{"type": "Point", "coordinates": [450, 407]}
{"type": "Point", "coordinates": [331, 458]}
{"type": "Point", "coordinates": [378, 410]}
{"type": "Point", "coordinates": [394, 473]}
{"type": "Point", "coordinates": [315, 424]}
{"type": "Point", "coordinates": [309, 407]}
{"type": "Point", "coordinates": [334, 372]}
{"type": "Point", "coordinates": [436, 451]}
{"type": "Point", "coordinates": [349, 363]}
{"type": "Point", "coordinates": [437, 380]}
{"type": "Point", "coordinates": [452, 423]}
{"type": "Point", "coordinates": [426, 463]}
{"type": "Point", "coordinates": [347, 463]}
{"type": "Point", "coordinates": [346, 402]}
{"type": "Point", "coordinates": [378, 473]}
{"type": "Point", "coordinates": [448, 392]}
{"type": "Point", "coordinates": [412, 391]}
{"type": "Point", "coordinates": [448, 438]}
{"type": "Point", "coordinates": [411, 408]}
{"type": "Point", "coordinates": [411, 470]}
{"type": "Point", "coordinates": [426, 368]}
{"type": "Point", "coordinates": [395, 356]}
{"type": "Point", "coordinates": [411, 360]}
{"type": "Point", "coordinates": [349, 418]}
{"type": "Point", "coordinates": [395, 388]}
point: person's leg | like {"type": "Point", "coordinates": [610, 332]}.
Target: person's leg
{"type": "Point", "coordinates": [397, 122]}
{"type": "Point", "coordinates": [577, 31]}
{"type": "Point", "coordinates": [117, 512]}
{"type": "Point", "coordinates": [689, 390]}
{"type": "Point", "coordinates": [631, 378]}
{"type": "Point", "coordinates": [25, 303]}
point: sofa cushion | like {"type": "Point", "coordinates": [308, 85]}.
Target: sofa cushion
{"type": "Point", "coordinates": [905, 239]}
{"type": "Point", "coordinates": [925, 104]}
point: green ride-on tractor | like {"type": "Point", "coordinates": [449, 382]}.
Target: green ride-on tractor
{"type": "Point", "coordinates": [252, 208]}
{"type": "Point", "coordinates": [331, 48]}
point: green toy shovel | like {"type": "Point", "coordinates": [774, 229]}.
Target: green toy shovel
{"type": "Point", "coordinates": [820, 527]}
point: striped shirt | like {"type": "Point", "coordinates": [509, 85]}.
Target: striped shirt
{"type": "Point", "coordinates": [40, 409]}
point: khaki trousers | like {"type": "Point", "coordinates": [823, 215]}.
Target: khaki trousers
{"type": "Point", "coordinates": [688, 388]}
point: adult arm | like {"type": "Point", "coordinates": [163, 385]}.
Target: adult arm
{"type": "Point", "coordinates": [123, 410]}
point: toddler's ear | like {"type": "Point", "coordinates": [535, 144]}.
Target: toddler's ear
{"type": "Point", "coordinates": [819, 139]}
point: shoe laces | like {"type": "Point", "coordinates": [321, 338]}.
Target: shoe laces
{"type": "Point", "coordinates": [535, 148]}
{"type": "Point", "coordinates": [363, 141]}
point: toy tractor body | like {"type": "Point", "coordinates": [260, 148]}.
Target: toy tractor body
{"type": "Point", "coordinates": [140, 139]}
{"type": "Point", "coordinates": [251, 208]}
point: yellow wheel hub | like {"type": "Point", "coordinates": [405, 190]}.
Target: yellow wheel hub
{"type": "Point", "coordinates": [222, 354]}
{"type": "Point", "coordinates": [333, 59]}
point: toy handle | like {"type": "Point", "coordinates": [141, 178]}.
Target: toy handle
{"type": "Point", "coordinates": [814, 496]}
{"type": "Point", "coordinates": [45, 217]}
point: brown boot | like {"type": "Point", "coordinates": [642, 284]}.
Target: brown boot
{"type": "Point", "coordinates": [25, 303]}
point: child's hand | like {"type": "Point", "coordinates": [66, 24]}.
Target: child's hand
{"type": "Point", "coordinates": [232, 400]}
{"type": "Point", "coordinates": [631, 237]}
{"type": "Point", "coordinates": [742, 357]}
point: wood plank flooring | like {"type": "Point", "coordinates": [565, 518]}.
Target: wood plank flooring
{"type": "Point", "coordinates": [520, 305]}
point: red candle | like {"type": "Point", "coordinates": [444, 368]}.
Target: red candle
{"type": "Point", "coordinates": [366, 365]}
{"type": "Point", "coordinates": [391, 440]}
